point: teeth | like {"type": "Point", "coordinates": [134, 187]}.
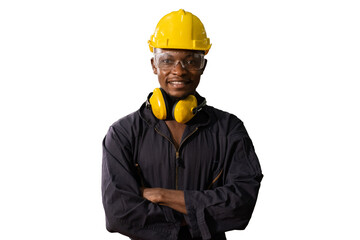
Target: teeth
{"type": "Point", "coordinates": [177, 83]}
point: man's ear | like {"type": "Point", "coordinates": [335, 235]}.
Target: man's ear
{"type": "Point", "coordinates": [153, 66]}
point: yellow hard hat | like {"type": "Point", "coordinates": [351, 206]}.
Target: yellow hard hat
{"type": "Point", "coordinates": [180, 30]}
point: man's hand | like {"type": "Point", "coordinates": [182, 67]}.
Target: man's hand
{"type": "Point", "coordinates": [154, 195]}
{"type": "Point", "coordinates": [167, 197]}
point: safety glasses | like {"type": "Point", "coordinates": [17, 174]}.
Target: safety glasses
{"type": "Point", "coordinates": [191, 62]}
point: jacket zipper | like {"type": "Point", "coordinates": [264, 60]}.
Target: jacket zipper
{"type": "Point", "coordinates": [177, 156]}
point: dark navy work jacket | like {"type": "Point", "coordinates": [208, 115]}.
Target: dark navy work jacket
{"type": "Point", "coordinates": [215, 165]}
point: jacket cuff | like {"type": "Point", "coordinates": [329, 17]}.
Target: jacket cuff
{"type": "Point", "coordinates": [169, 214]}
{"type": "Point", "coordinates": [195, 217]}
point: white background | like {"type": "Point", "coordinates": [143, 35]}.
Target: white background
{"type": "Point", "coordinates": [288, 69]}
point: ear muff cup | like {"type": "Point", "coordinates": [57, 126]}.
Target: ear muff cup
{"type": "Point", "coordinates": [183, 110]}
{"type": "Point", "coordinates": [159, 104]}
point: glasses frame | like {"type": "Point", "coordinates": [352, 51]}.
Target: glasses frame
{"type": "Point", "coordinates": [157, 56]}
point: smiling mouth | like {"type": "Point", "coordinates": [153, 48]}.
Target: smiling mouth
{"type": "Point", "coordinates": [178, 83]}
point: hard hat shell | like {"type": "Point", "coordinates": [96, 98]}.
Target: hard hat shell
{"type": "Point", "coordinates": [180, 30]}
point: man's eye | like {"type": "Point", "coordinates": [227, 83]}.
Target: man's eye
{"type": "Point", "coordinates": [192, 62]}
{"type": "Point", "coordinates": [166, 61]}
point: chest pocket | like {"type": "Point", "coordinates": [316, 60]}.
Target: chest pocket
{"type": "Point", "coordinates": [217, 180]}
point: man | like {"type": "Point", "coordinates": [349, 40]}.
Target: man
{"type": "Point", "coordinates": [177, 168]}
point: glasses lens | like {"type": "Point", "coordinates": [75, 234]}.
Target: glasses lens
{"type": "Point", "coordinates": [165, 61]}
{"type": "Point", "coordinates": [194, 62]}
{"type": "Point", "coordinates": [191, 62]}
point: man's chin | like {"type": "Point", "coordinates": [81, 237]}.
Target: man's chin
{"type": "Point", "coordinates": [176, 95]}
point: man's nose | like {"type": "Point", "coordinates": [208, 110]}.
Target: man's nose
{"type": "Point", "coordinates": [179, 68]}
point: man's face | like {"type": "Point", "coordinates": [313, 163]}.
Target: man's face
{"type": "Point", "coordinates": [181, 79]}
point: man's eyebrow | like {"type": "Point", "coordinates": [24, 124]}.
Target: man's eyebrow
{"type": "Point", "coordinates": [191, 55]}
{"type": "Point", "coordinates": [186, 56]}
{"type": "Point", "coordinates": [167, 54]}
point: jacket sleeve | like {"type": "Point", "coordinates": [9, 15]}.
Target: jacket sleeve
{"type": "Point", "coordinates": [230, 205]}
{"type": "Point", "coordinates": [126, 211]}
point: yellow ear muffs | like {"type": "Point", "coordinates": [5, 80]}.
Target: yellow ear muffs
{"type": "Point", "coordinates": [183, 110]}
{"type": "Point", "coordinates": [158, 104]}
